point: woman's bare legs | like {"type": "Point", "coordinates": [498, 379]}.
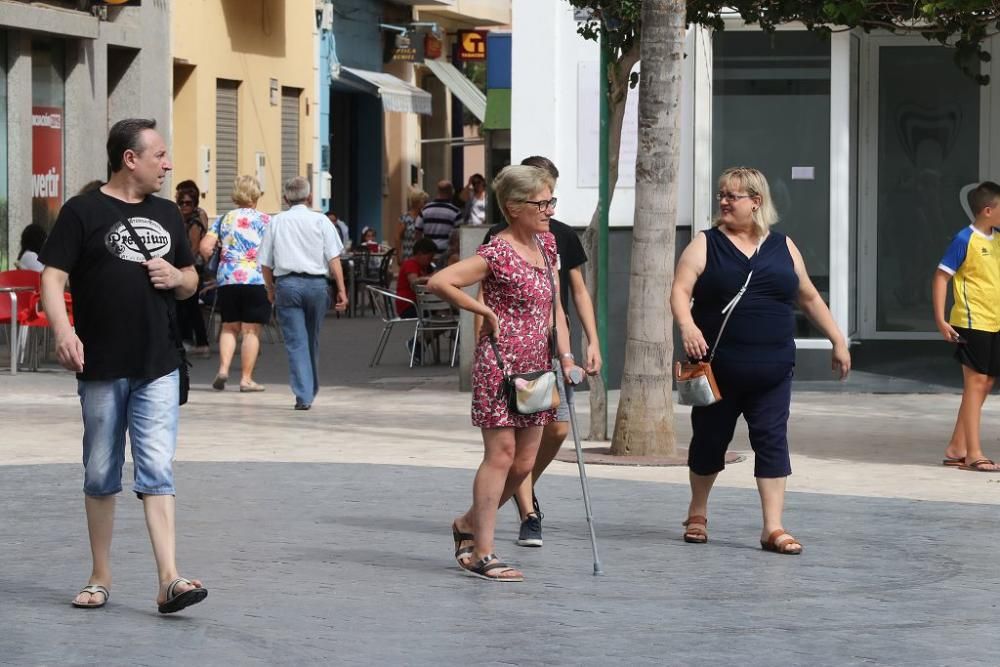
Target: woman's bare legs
{"type": "Point", "coordinates": [249, 350]}
{"type": "Point", "coordinates": [227, 346]}
{"type": "Point", "coordinates": [508, 459]}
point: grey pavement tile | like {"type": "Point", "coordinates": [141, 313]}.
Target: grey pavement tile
{"type": "Point", "coordinates": [351, 564]}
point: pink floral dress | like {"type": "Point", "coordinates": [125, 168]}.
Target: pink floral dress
{"type": "Point", "coordinates": [521, 296]}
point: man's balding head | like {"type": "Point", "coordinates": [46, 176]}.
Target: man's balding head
{"type": "Point", "coordinates": [445, 190]}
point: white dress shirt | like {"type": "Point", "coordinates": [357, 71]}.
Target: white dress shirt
{"type": "Point", "coordinates": [300, 240]}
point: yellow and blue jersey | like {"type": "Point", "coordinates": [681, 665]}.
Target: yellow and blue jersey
{"type": "Point", "coordinates": [973, 261]}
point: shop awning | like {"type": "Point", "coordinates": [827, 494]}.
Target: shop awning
{"type": "Point", "coordinates": [460, 86]}
{"type": "Point", "coordinates": [497, 109]}
{"type": "Point", "coordinates": [396, 94]}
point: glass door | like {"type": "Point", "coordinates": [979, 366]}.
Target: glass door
{"type": "Point", "coordinates": [922, 147]}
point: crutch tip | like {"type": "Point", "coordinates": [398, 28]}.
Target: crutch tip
{"type": "Point", "coordinates": [598, 572]}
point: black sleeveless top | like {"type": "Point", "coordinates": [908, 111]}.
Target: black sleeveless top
{"type": "Point", "coordinates": [762, 326]}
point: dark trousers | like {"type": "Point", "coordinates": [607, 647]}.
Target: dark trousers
{"type": "Point", "coordinates": [190, 321]}
{"type": "Point", "coordinates": [761, 393]}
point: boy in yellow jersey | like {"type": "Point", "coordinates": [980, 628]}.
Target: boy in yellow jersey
{"type": "Point", "coordinates": [972, 263]}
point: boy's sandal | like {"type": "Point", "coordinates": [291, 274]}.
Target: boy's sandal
{"type": "Point", "coordinates": [696, 533]}
{"type": "Point", "coordinates": [219, 383]}
{"type": "Point", "coordinates": [491, 563]}
{"type": "Point", "coordinates": [93, 589]}
{"type": "Point", "coordinates": [788, 546]}
{"type": "Point", "coordinates": [462, 554]}
{"type": "Point", "coordinates": [981, 465]}
{"type": "Point", "coordinates": [953, 462]}
{"type": "Point", "coordinates": [251, 387]}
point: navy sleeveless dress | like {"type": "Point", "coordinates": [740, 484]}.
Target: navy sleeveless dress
{"type": "Point", "coordinates": [755, 356]}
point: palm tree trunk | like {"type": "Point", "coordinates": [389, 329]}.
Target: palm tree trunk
{"type": "Point", "coordinates": [618, 76]}
{"type": "Point", "coordinates": [645, 421]}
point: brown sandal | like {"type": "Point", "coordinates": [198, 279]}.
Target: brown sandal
{"type": "Point", "coordinates": [786, 546]}
{"type": "Point", "coordinates": [695, 535]}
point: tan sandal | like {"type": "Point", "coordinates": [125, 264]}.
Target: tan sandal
{"type": "Point", "coordinates": [251, 387]}
{"type": "Point", "coordinates": [786, 546]}
{"type": "Point", "coordinates": [694, 534]}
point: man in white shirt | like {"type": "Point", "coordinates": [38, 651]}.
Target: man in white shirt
{"type": "Point", "coordinates": [299, 251]}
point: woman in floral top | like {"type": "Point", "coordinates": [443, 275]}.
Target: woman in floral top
{"type": "Point", "coordinates": [242, 298]}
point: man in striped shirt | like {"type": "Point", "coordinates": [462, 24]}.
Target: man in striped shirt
{"type": "Point", "coordinates": [439, 217]}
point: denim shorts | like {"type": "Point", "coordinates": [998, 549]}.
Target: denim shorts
{"type": "Point", "coordinates": [148, 411]}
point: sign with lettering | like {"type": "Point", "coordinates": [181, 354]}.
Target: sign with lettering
{"type": "Point", "coordinates": [472, 44]}
{"type": "Point", "coordinates": [46, 163]}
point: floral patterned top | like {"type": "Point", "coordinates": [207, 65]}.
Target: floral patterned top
{"type": "Point", "coordinates": [521, 296]}
{"type": "Point", "coordinates": [240, 232]}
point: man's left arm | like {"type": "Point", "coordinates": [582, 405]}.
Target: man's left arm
{"type": "Point", "coordinates": [585, 309]}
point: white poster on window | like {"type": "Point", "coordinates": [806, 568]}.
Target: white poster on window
{"type": "Point", "coordinates": [588, 130]}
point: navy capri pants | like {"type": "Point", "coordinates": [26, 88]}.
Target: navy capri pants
{"type": "Point", "coordinates": [762, 393]}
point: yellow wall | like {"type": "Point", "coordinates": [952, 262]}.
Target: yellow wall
{"type": "Point", "coordinates": [251, 41]}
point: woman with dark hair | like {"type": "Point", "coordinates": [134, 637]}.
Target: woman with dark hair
{"type": "Point", "coordinates": [32, 239]}
{"type": "Point", "coordinates": [189, 317]}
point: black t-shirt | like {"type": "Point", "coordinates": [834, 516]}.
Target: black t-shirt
{"type": "Point", "coordinates": [571, 253]}
{"type": "Point", "coordinates": [120, 317]}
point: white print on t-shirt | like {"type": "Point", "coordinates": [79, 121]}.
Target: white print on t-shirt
{"type": "Point", "coordinates": [120, 243]}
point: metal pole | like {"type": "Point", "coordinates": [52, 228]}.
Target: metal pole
{"type": "Point", "coordinates": [603, 200]}
{"type": "Point", "coordinates": [576, 378]}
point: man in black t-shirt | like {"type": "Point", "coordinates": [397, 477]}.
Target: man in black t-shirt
{"type": "Point", "coordinates": [122, 349]}
{"type": "Point", "coordinates": [571, 257]}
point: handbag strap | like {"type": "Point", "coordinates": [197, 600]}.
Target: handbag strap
{"type": "Point", "coordinates": [552, 331]}
{"type": "Point", "coordinates": [552, 289]}
{"type": "Point", "coordinates": [728, 310]}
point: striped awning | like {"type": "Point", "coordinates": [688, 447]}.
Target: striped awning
{"type": "Point", "coordinates": [460, 86]}
{"type": "Point", "coordinates": [396, 94]}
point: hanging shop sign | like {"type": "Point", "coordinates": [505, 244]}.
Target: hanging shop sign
{"type": "Point", "coordinates": [433, 47]}
{"type": "Point", "coordinates": [472, 45]}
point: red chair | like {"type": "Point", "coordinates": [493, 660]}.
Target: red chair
{"type": "Point", "coordinates": [16, 278]}
{"type": "Point", "coordinates": [33, 317]}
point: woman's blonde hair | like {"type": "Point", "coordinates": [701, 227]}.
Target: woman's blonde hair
{"type": "Point", "coordinates": [246, 191]}
{"type": "Point", "coordinates": [753, 182]}
{"type": "Point", "coordinates": [518, 183]}
{"type": "Point", "coordinates": [416, 198]}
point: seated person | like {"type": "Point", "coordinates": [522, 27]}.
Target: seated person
{"type": "Point", "coordinates": [414, 271]}
{"type": "Point", "coordinates": [368, 240]}
{"type": "Point", "coordinates": [32, 239]}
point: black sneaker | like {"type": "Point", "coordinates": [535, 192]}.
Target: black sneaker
{"type": "Point", "coordinates": [531, 531]}
{"type": "Point", "coordinates": [302, 406]}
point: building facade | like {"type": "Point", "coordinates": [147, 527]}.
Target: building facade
{"type": "Point", "coordinates": [395, 105]}
{"type": "Point", "coordinates": [68, 71]}
{"type": "Point", "coordinates": [244, 96]}
{"type": "Point", "coordinates": [868, 141]}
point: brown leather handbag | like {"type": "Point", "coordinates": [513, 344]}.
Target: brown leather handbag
{"type": "Point", "coordinates": [695, 381]}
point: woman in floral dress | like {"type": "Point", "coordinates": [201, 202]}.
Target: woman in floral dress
{"type": "Point", "coordinates": [517, 281]}
{"type": "Point", "coordinates": [242, 297]}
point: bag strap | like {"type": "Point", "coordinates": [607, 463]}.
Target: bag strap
{"type": "Point", "coordinates": [166, 295]}
{"type": "Point", "coordinates": [552, 331]}
{"type": "Point", "coordinates": [728, 310]}
{"type": "Point", "coordinates": [552, 288]}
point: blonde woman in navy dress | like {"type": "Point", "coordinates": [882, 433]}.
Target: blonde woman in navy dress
{"type": "Point", "coordinates": [517, 309]}
{"type": "Point", "coordinates": [756, 354]}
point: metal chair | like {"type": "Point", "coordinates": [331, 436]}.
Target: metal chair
{"type": "Point", "coordinates": [386, 308]}
{"type": "Point", "coordinates": [378, 278]}
{"type": "Point", "coordinates": [436, 317]}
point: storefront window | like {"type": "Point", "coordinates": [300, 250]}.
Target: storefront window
{"type": "Point", "coordinates": [928, 150]}
{"type": "Point", "coordinates": [771, 110]}
{"type": "Point", "coordinates": [48, 93]}
{"type": "Point", "coordinates": [4, 228]}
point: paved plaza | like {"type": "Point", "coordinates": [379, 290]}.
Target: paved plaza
{"type": "Point", "coordinates": [324, 537]}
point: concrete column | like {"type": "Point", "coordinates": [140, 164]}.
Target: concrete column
{"type": "Point", "coordinates": [86, 115]}
{"type": "Point", "coordinates": [469, 239]}
{"type": "Point", "coordinates": [18, 138]}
